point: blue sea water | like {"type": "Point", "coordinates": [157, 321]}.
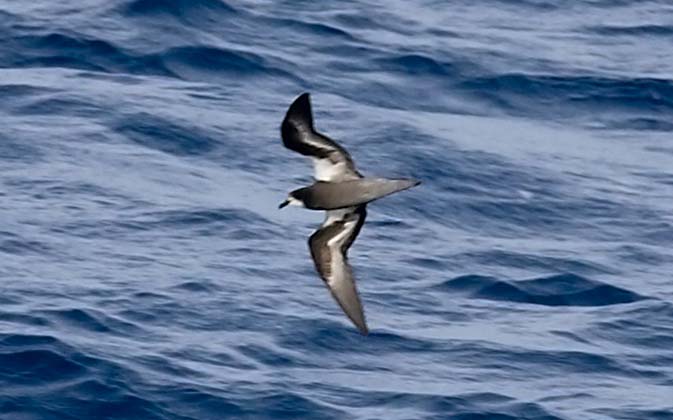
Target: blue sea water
{"type": "Point", "coordinates": [146, 272]}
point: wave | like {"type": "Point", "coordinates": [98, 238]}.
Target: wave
{"type": "Point", "coordinates": [87, 386]}
{"type": "Point", "coordinates": [91, 320]}
{"type": "Point", "coordinates": [234, 223]}
{"type": "Point", "coordinates": [24, 366]}
{"type": "Point", "coordinates": [181, 218]}
{"type": "Point", "coordinates": [189, 62]}
{"type": "Point", "coordinates": [14, 244]}
{"type": "Point", "coordinates": [537, 5]}
{"type": "Point", "coordinates": [94, 387]}
{"type": "Point", "coordinates": [29, 358]}
{"type": "Point", "coordinates": [634, 413]}
{"type": "Point", "coordinates": [311, 28]}
{"type": "Point", "coordinates": [557, 290]}
{"type": "Point", "coordinates": [228, 146]}
{"type": "Point", "coordinates": [184, 61]}
{"type": "Point", "coordinates": [201, 286]}
{"type": "Point", "coordinates": [77, 51]}
{"type": "Point", "coordinates": [178, 8]}
{"type": "Point", "coordinates": [496, 258]}
{"type": "Point", "coordinates": [646, 327]}
{"type": "Point", "coordinates": [473, 405]}
{"type": "Point", "coordinates": [21, 91]}
{"type": "Point", "coordinates": [330, 335]}
{"type": "Point", "coordinates": [418, 64]}
{"type": "Point", "coordinates": [539, 95]}
{"type": "Point", "coordinates": [172, 137]}
{"type": "Point", "coordinates": [639, 93]}
{"type": "Point", "coordinates": [530, 364]}
{"type": "Point", "coordinates": [278, 405]}
{"type": "Point", "coordinates": [636, 30]}
{"type": "Point", "coordinates": [640, 124]}
{"type": "Point", "coordinates": [64, 104]}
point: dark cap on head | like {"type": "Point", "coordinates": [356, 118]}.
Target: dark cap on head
{"type": "Point", "coordinates": [301, 194]}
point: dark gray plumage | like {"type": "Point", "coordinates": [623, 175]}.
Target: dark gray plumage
{"type": "Point", "coordinates": [344, 193]}
{"type": "Point", "coordinates": [332, 162]}
{"type": "Point", "coordinates": [337, 195]}
{"type": "Point", "coordinates": [329, 249]}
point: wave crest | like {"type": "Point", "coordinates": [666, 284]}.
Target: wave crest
{"type": "Point", "coordinates": [556, 290]}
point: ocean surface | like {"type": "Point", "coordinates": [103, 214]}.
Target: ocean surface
{"type": "Point", "coordinates": [147, 273]}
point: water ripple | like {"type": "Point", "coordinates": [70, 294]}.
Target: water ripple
{"type": "Point", "coordinates": [558, 290]}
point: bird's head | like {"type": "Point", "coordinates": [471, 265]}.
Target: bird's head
{"type": "Point", "coordinates": [295, 198]}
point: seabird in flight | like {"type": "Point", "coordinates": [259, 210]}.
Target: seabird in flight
{"type": "Point", "coordinates": [343, 193]}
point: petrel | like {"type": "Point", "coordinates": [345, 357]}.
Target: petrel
{"type": "Point", "coordinates": [343, 193]}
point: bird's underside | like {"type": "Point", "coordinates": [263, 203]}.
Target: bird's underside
{"type": "Point", "coordinates": [329, 248]}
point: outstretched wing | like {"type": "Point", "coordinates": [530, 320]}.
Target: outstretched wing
{"type": "Point", "coordinates": [331, 162]}
{"type": "Point", "coordinates": [329, 248]}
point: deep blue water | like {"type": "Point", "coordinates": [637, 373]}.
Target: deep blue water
{"type": "Point", "coordinates": [146, 272]}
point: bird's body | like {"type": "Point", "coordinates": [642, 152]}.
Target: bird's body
{"type": "Point", "coordinates": [337, 195]}
{"type": "Point", "coordinates": [344, 193]}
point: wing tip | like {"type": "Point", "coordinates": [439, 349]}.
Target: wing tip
{"type": "Point", "coordinates": [358, 319]}
{"type": "Point", "coordinates": [304, 96]}
{"type": "Point", "coordinates": [300, 109]}
{"type": "Point", "coordinates": [411, 183]}
{"type": "Point", "coordinates": [363, 329]}
{"type": "Point", "coordinates": [352, 308]}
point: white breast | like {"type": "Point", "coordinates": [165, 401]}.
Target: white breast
{"type": "Point", "coordinates": [328, 171]}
